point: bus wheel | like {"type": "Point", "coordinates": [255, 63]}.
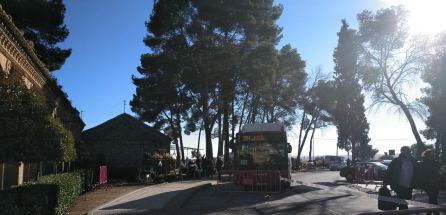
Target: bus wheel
{"type": "Point", "coordinates": [286, 185]}
{"type": "Point", "coordinates": [349, 177]}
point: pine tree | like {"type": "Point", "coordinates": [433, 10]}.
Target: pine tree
{"type": "Point", "coordinates": [161, 97]}
{"type": "Point", "coordinates": [435, 99]}
{"type": "Point", "coordinates": [42, 22]}
{"type": "Point", "coordinates": [349, 116]}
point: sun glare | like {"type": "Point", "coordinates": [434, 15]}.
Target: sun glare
{"type": "Point", "coordinates": [426, 16]}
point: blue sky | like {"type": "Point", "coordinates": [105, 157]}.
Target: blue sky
{"type": "Point", "coordinates": [106, 38]}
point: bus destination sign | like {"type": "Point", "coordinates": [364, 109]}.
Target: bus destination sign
{"type": "Point", "coordinates": [253, 138]}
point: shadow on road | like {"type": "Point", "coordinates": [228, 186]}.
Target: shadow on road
{"type": "Point", "coordinates": [315, 206]}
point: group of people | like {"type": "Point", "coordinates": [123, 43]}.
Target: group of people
{"type": "Point", "coordinates": [404, 174]}
{"type": "Point", "coordinates": [204, 167]}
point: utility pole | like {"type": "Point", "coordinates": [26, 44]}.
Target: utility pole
{"type": "Point", "coordinates": [124, 106]}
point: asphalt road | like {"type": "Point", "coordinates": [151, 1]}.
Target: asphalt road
{"type": "Point", "coordinates": [318, 192]}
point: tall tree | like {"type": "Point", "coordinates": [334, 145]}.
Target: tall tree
{"type": "Point", "coordinates": [42, 22]}
{"type": "Point", "coordinates": [222, 57]}
{"type": "Point", "coordinates": [235, 28]}
{"type": "Point", "coordinates": [161, 97]}
{"type": "Point", "coordinates": [349, 113]}
{"type": "Point", "coordinates": [313, 102]}
{"type": "Point", "coordinates": [435, 98]}
{"type": "Point", "coordinates": [27, 130]}
{"type": "Point", "coordinates": [389, 60]}
{"type": "Point", "coordinates": [280, 99]}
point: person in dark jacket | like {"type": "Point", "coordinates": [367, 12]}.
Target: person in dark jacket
{"type": "Point", "coordinates": [219, 166]}
{"type": "Point", "coordinates": [400, 175]}
{"type": "Point", "coordinates": [429, 179]}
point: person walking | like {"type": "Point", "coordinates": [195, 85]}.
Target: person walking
{"type": "Point", "coordinates": [429, 179]}
{"type": "Point", "coordinates": [219, 166]}
{"type": "Point", "coordinates": [205, 165]}
{"type": "Point", "coordinates": [211, 167]}
{"type": "Point", "coordinates": [400, 175]}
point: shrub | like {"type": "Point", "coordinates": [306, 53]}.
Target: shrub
{"type": "Point", "coordinates": [50, 194]}
{"type": "Point", "coordinates": [70, 186]}
{"type": "Point", "coordinates": [29, 199]}
{"type": "Point", "coordinates": [87, 179]}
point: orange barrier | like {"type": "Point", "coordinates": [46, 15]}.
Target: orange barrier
{"type": "Point", "coordinates": [265, 181]}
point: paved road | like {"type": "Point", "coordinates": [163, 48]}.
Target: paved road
{"type": "Point", "coordinates": [149, 199]}
{"type": "Point", "coordinates": [320, 192]}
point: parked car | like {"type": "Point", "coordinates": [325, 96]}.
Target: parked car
{"type": "Point", "coordinates": [337, 166]}
{"type": "Point", "coordinates": [349, 171]}
{"type": "Point", "coordinates": [386, 162]}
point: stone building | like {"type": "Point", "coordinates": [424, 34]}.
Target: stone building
{"type": "Point", "coordinates": [19, 63]}
{"type": "Point", "coordinates": [120, 143]}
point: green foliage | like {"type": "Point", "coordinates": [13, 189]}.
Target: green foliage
{"type": "Point", "coordinates": [46, 31]}
{"type": "Point", "coordinates": [24, 127]}
{"type": "Point", "coordinates": [36, 199]}
{"type": "Point", "coordinates": [415, 149]}
{"type": "Point", "coordinates": [27, 131]}
{"type": "Point", "coordinates": [435, 97]}
{"type": "Point", "coordinates": [210, 57]}
{"type": "Point", "coordinates": [50, 194]}
{"type": "Point", "coordinates": [349, 113]}
{"type": "Point", "coordinates": [70, 186]}
{"type": "Point", "coordinates": [65, 140]}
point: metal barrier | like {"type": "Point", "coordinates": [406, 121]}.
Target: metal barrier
{"type": "Point", "coordinates": [265, 181]}
{"type": "Point", "coordinates": [368, 176]}
{"type": "Point", "coordinates": [441, 210]}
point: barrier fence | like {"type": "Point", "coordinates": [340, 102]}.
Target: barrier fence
{"type": "Point", "coordinates": [368, 176]}
{"type": "Point", "coordinates": [265, 181]}
{"type": "Point", "coordinates": [410, 211]}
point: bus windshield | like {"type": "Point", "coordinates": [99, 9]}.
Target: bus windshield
{"type": "Point", "coordinates": [261, 155]}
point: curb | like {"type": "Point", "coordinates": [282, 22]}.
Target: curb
{"type": "Point", "coordinates": [184, 196]}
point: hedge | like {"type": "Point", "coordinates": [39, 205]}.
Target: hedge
{"type": "Point", "coordinates": [50, 194]}
{"type": "Point", "coordinates": [29, 199]}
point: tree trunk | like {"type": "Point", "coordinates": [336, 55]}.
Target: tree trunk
{"type": "Point", "coordinates": [233, 122]}
{"type": "Point", "coordinates": [177, 149]}
{"type": "Point", "coordinates": [226, 122]}
{"type": "Point", "coordinates": [199, 136]}
{"type": "Point", "coordinates": [208, 135]}
{"type": "Point", "coordinates": [243, 113]}
{"type": "Point", "coordinates": [409, 117]}
{"type": "Point", "coordinates": [254, 109]}
{"type": "Point", "coordinates": [413, 126]}
{"type": "Point", "coordinates": [311, 142]}
{"type": "Point", "coordinates": [180, 135]}
{"type": "Point", "coordinates": [300, 134]}
{"type": "Point", "coordinates": [354, 151]}
{"type": "Point", "coordinates": [307, 130]}
{"type": "Point", "coordinates": [220, 137]}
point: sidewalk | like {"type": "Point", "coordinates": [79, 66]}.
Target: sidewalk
{"type": "Point", "coordinates": [144, 200]}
